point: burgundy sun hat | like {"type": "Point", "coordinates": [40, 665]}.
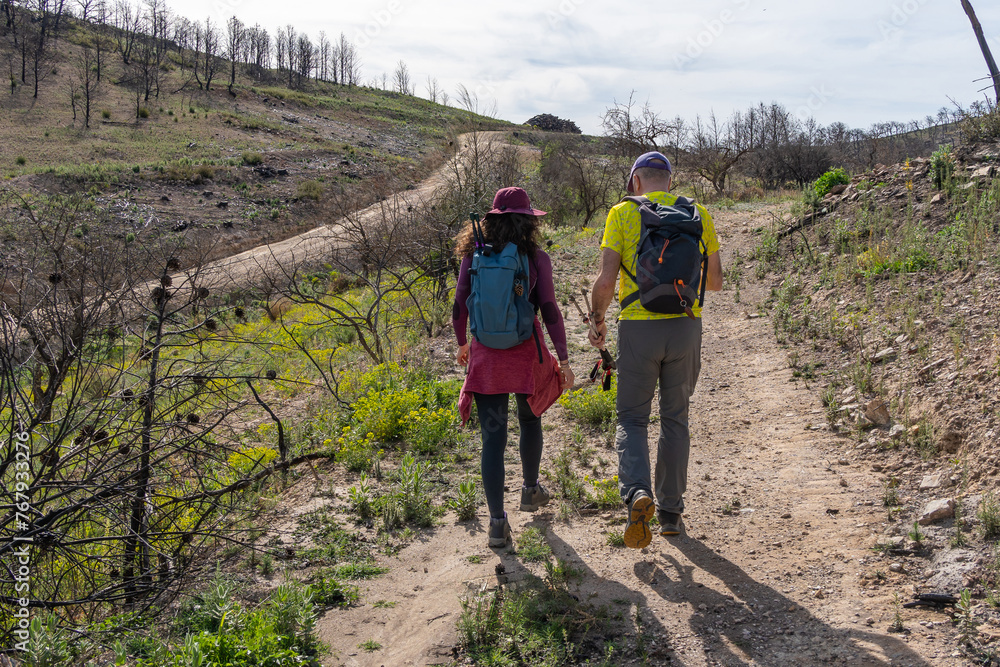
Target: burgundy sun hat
{"type": "Point", "coordinates": [513, 200]}
{"type": "Point", "coordinates": [652, 160]}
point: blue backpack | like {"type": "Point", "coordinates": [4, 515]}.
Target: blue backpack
{"type": "Point", "coordinates": [500, 315]}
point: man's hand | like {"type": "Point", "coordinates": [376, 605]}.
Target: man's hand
{"type": "Point", "coordinates": [566, 374]}
{"type": "Point", "coordinates": [597, 334]}
{"type": "Point", "coordinates": [463, 354]}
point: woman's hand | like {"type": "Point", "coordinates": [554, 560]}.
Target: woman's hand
{"type": "Point", "coordinates": [566, 374]}
{"type": "Point", "coordinates": [463, 354]}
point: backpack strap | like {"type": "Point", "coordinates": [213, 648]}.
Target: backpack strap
{"type": "Point", "coordinates": [641, 201]}
{"type": "Point", "coordinates": [704, 275]}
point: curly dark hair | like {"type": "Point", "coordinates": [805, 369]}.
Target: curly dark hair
{"type": "Point", "coordinates": [501, 229]}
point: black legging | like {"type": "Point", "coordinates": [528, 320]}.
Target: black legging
{"type": "Point", "coordinates": [492, 410]}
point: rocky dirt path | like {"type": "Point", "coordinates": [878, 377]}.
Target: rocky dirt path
{"type": "Point", "coordinates": [776, 567]}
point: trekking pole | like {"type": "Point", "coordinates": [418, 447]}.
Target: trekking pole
{"type": "Point", "coordinates": [606, 363]}
{"type": "Point", "coordinates": [609, 361]}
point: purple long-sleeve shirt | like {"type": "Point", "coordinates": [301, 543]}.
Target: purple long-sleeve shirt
{"type": "Point", "coordinates": [541, 294]}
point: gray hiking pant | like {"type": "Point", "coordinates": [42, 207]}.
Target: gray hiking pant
{"type": "Point", "coordinates": [667, 352]}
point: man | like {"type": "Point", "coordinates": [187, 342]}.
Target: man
{"type": "Point", "coordinates": [652, 348]}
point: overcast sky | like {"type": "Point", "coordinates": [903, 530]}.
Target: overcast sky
{"type": "Point", "coordinates": [856, 61]}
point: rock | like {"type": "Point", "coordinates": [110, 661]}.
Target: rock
{"type": "Point", "coordinates": [838, 189]}
{"type": "Point", "coordinates": [937, 510]}
{"type": "Point", "coordinates": [950, 569]}
{"type": "Point", "coordinates": [877, 412]}
{"type": "Point", "coordinates": [893, 541]}
{"type": "Point", "coordinates": [984, 172]}
{"type": "Point", "coordinates": [953, 436]}
{"type": "Point", "coordinates": [895, 567]}
{"type": "Point", "coordinates": [888, 354]}
{"type": "Point", "coordinates": [930, 482]}
{"type": "Point", "coordinates": [819, 594]}
{"type": "Point", "coordinates": [937, 199]}
{"type": "Point", "coordinates": [897, 431]}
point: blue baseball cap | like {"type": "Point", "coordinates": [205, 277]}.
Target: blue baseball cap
{"type": "Point", "coordinates": [651, 160]}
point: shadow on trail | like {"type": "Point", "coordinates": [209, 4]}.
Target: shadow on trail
{"type": "Point", "coordinates": [757, 623]}
{"type": "Point", "coordinates": [651, 642]}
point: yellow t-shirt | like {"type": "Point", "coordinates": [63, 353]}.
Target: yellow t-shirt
{"type": "Point", "coordinates": [621, 234]}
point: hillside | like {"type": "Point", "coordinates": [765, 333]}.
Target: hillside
{"type": "Point", "coordinates": [218, 172]}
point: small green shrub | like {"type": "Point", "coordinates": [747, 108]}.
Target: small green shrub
{"type": "Point", "coordinates": [360, 498]}
{"type": "Point", "coordinates": [206, 172]}
{"type": "Point", "coordinates": [383, 414]}
{"type": "Point", "coordinates": [48, 644]}
{"type": "Point", "coordinates": [466, 501]}
{"type": "Point", "coordinates": [430, 431]}
{"type": "Point", "coordinates": [531, 546]}
{"type": "Point", "coordinates": [356, 453]}
{"type": "Point", "coordinates": [942, 167]}
{"type": "Point", "coordinates": [105, 114]}
{"type": "Point", "coordinates": [309, 190]}
{"type": "Point", "coordinates": [606, 494]}
{"type": "Point", "coordinates": [829, 180]}
{"type": "Point", "coordinates": [590, 406]}
{"type": "Point", "coordinates": [252, 159]}
{"type": "Point", "coordinates": [21, 160]}
{"type": "Point", "coordinates": [370, 646]}
{"type": "Point", "coordinates": [989, 517]}
{"type": "Point", "coordinates": [414, 494]}
{"type": "Point", "coordinates": [143, 112]}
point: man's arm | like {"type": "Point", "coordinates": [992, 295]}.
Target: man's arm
{"type": "Point", "coordinates": [602, 293]}
{"type": "Point", "coordinates": [713, 282]}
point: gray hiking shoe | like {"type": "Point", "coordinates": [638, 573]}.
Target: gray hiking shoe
{"type": "Point", "coordinates": [670, 523]}
{"type": "Point", "coordinates": [499, 532]}
{"type": "Point", "coordinates": [640, 511]}
{"type": "Point", "coordinates": [533, 497]}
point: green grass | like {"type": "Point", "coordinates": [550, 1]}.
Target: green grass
{"type": "Point", "coordinates": [370, 646]}
{"type": "Point", "coordinates": [532, 547]}
{"type": "Point", "coordinates": [538, 623]}
{"type": "Point", "coordinates": [355, 571]}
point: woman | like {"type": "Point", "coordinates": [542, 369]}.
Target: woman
{"type": "Point", "coordinates": [523, 370]}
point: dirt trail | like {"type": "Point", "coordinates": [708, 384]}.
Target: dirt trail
{"type": "Point", "coordinates": [776, 580]}
{"type": "Point", "coordinates": [271, 260]}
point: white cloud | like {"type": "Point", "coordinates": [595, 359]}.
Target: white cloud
{"type": "Point", "coordinates": [882, 59]}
